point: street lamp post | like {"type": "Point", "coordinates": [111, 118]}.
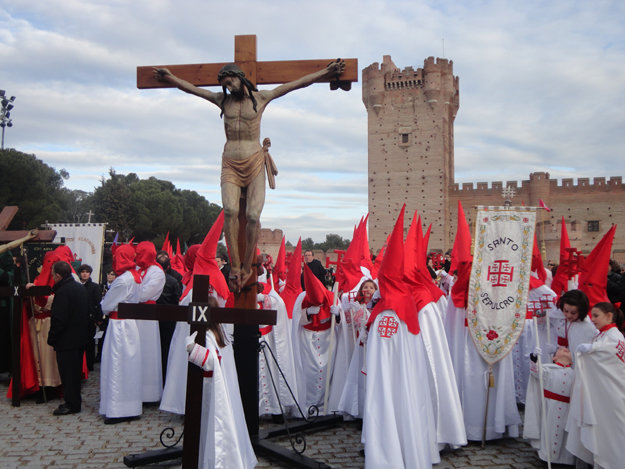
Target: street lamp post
{"type": "Point", "coordinates": [5, 113]}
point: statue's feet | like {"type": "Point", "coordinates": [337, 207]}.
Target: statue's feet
{"type": "Point", "coordinates": [246, 276]}
{"type": "Point", "coordinates": [234, 281]}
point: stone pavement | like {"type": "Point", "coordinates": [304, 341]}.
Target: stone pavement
{"type": "Point", "coordinates": [31, 437]}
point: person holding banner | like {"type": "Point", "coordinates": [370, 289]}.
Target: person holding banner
{"type": "Point", "coordinates": [597, 416]}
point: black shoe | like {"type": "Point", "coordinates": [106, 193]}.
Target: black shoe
{"type": "Point", "coordinates": [113, 421]}
{"type": "Point", "coordinates": [64, 410]}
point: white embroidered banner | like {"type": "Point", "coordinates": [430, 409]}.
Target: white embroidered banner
{"type": "Point", "coordinates": [499, 283]}
{"type": "Point", "coordinates": [86, 240]}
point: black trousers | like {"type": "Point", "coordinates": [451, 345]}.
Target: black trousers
{"type": "Point", "coordinates": [70, 370]}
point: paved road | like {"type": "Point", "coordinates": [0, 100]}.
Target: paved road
{"type": "Point", "coordinates": [31, 437]}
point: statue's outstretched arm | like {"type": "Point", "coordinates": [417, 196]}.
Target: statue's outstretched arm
{"type": "Point", "coordinates": [333, 69]}
{"type": "Point", "coordinates": [164, 75]}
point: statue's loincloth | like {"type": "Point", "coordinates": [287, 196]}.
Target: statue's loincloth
{"type": "Point", "coordinates": [243, 172]}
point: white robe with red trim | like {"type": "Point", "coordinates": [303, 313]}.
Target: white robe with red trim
{"type": "Point", "coordinates": [224, 441]}
{"type": "Point", "coordinates": [558, 382]}
{"type": "Point", "coordinates": [311, 352]}
{"type": "Point", "coordinates": [443, 388]}
{"type": "Point", "coordinates": [279, 341]}
{"type": "Point", "coordinates": [120, 369]}
{"type": "Point", "coordinates": [150, 289]}
{"type": "Point", "coordinates": [596, 420]}
{"type": "Point", "coordinates": [398, 423]}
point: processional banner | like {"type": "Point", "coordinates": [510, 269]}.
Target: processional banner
{"type": "Point", "coordinates": [86, 240]}
{"type": "Point", "coordinates": [500, 274]}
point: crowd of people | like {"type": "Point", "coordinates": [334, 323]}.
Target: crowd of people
{"type": "Point", "coordinates": [387, 344]}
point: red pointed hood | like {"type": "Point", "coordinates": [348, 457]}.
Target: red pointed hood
{"type": "Point", "coordinates": [366, 251]}
{"type": "Point", "coordinates": [205, 263]}
{"type": "Point", "coordinates": [423, 271]}
{"type": "Point", "coordinates": [177, 261]}
{"type": "Point", "coordinates": [146, 256]}
{"type": "Point", "coordinates": [393, 289]}
{"type": "Point", "coordinates": [461, 260]}
{"type": "Point", "coordinates": [293, 285]}
{"type": "Point", "coordinates": [537, 263]}
{"type": "Point", "coordinates": [379, 258]}
{"type": "Point", "coordinates": [593, 278]}
{"type": "Point", "coordinates": [279, 268]}
{"type": "Point", "coordinates": [560, 280]}
{"type": "Point", "coordinates": [349, 273]}
{"type": "Point", "coordinates": [166, 245]}
{"type": "Point", "coordinates": [45, 276]}
{"type": "Point", "coordinates": [316, 295]}
{"type": "Point", "coordinates": [124, 260]}
{"type": "Point", "coordinates": [420, 292]}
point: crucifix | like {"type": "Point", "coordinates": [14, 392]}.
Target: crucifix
{"type": "Point", "coordinates": [244, 159]}
{"type": "Point", "coordinates": [18, 292]}
{"type": "Point", "coordinates": [198, 313]}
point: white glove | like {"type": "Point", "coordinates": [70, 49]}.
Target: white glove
{"type": "Point", "coordinates": [584, 348]}
{"type": "Point", "coordinates": [189, 341]}
{"type": "Point", "coordinates": [538, 351]}
{"type": "Point", "coordinates": [336, 310]}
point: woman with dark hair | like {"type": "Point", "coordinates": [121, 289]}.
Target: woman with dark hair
{"type": "Point", "coordinates": [597, 414]}
{"type": "Point", "coordinates": [572, 327]}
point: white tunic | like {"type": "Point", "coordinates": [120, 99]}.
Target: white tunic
{"type": "Point", "coordinates": [443, 388]}
{"type": "Point", "coordinates": [311, 355]}
{"type": "Point", "coordinates": [398, 423]}
{"type": "Point", "coordinates": [597, 411]}
{"type": "Point", "coordinates": [279, 341]}
{"type": "Point", "coordinates": [224, 441]}
{"type": "Point", "coordinates": [150, 289]}
{"type": "Point", "coordinates": [120, 371]}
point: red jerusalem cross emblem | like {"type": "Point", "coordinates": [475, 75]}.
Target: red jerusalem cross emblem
{"type": "Point", "coordinates": [620, 350]}
{"type": "Point", "coordinates": [500, 273]}
{"type": "Point", "coordinates": [387, 327]}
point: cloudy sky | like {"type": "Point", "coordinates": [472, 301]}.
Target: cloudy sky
{"type": "Point", "coordinates": [542, 88]}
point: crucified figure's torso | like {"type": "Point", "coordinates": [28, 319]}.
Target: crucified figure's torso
{"type": "Point", "coordinates": [242, 109]}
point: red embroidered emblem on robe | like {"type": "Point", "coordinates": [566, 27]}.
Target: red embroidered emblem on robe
{"type": "Point", "coordinates": [387, 327]}
{"type": "Point", "coordinates": [620, 350]}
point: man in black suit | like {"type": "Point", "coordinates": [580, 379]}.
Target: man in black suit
{"type": "Point", "coordinates": [68, 334]}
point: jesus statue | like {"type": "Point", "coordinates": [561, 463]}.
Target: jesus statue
{"type": "Point", "coordinates": [244, 158]}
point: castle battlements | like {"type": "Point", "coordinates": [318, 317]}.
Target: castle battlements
{"type": "Point", "coordinates": [564, 186]}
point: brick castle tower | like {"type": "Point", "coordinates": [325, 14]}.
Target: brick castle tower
{"type": "Point", "coordinates": [411, 145]}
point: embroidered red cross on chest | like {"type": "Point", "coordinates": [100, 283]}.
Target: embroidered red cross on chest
{"type": "Point", "coordinates": [387, 327]}
{"type": "Point", "coordinates": [620, 350]}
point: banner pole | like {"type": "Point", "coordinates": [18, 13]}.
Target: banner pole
{"type": "Point", "coordinates": [491, 383]}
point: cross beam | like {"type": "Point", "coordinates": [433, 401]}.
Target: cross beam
{"type": "Point", "coordinates": [259, 73]}
{"type": "Point", "coordinates": [6, 216]}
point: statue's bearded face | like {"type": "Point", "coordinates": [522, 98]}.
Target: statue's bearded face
{"type": "Point", "coordinates": [233, 84]}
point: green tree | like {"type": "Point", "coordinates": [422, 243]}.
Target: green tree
{"type": "Point", "coordinates": [36, 188]}
{"type": "Point", "coordinates": [148, 209]}
{"type": "Point", "coordinates": [333, 241]}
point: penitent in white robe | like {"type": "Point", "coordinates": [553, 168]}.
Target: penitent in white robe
{"type": "Point", "coordinates": [597, 410]}
{"type": "Point", "coordinates": [472, 379]}
{"type": "Point", "coordinates": [224, 441]}
{"type": "Point", "coordinates": [120, 370]}
{"type": "Point", "coordinates": [175, 390]}
{"type": "Point", "coordinates": [398, 423]}
{"type": "Point", "coordinates": [311, 353]}
{"type": "Point", "coordinates": [150, 290]}
{"type": "Point", "coordinates": [278, 338]}
{"type": "Point", "coordinates": [443, 388]}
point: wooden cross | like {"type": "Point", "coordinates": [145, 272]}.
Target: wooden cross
{"type": "Point", "coordinates": [17, 292]}
{"type": "Point", "coordinates": [198, 313]}
{"type": "Point", "coordinates": [259, 73]}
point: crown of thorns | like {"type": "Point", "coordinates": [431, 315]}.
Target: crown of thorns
{"type": "Point", "coordinates": [232, 70]}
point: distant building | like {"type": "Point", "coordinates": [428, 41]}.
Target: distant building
{"type": "Point", "coordinates": [411, 117]}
